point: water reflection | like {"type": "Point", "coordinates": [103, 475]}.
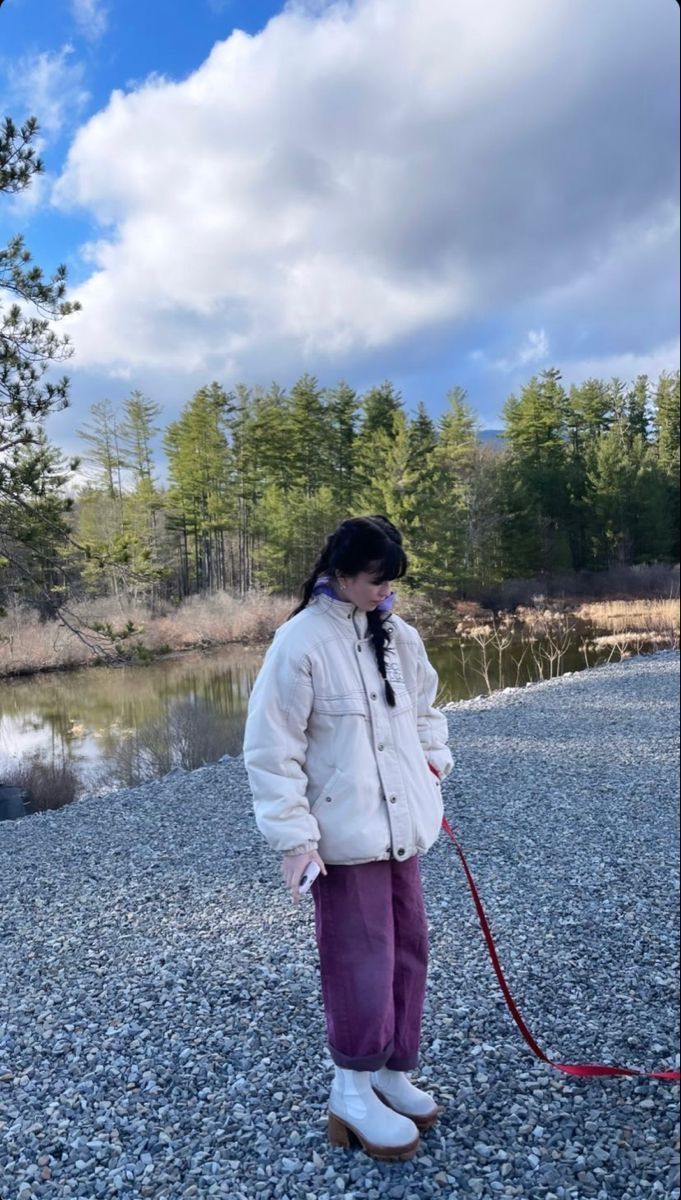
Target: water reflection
{"type": "Point", "coordinates": [119, 726]}
{"type": "Point", "coordinates": [467, 669]}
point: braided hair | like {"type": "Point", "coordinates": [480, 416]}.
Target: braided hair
{"type": "Point", "coordinates": [362, 544]}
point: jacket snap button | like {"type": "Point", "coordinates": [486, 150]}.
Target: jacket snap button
{"type": "Point", "coordinates": [393, 799]}
{"type": "Point", "coordinates": [380, 745]}
{"type": "Point", "coordinates": [373, 695]}
{"type": "Point", "coordinates": [400, 853]}
{"type": "Point", "coordinates": [328, 799]}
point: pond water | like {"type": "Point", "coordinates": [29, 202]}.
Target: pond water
{"type": "Point", "coordinates": [116, 726]}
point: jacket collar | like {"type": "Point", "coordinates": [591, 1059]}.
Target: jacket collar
{"type": "Point", "coordinates": [350, 618]}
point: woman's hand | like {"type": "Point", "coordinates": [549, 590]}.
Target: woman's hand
{"type": "Point", "coordinates": [292, 868]}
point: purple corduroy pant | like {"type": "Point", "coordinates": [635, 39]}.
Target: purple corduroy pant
{"type": "Point", "coordinates": [372, 937]}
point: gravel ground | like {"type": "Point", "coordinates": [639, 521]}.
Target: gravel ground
{"type": "Point", "coordinates": [161, 1030]}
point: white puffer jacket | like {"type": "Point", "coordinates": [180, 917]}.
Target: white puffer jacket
{"type": "Point", "coordinates": [331, 765]}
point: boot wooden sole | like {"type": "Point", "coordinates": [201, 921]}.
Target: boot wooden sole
{"type": "Point", "coordinates": [421, 1123]}
{"type": "Point", "coordinates": [342, 1134]}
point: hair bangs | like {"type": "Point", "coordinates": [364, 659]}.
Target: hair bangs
{"type": "Point", "coordinates": [391, 565]}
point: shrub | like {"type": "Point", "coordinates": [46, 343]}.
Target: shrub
{"type": "Point", "coordinates": [50, 785]}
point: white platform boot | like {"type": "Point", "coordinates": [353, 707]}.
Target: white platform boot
{"type": "Point", "coordinates": [397, 1091]}
{"type": "Point", "coordinates": [354, 1108]}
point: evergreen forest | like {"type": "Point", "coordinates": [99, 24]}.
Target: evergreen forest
{"type": "Point", "coordinates": [253, 480]}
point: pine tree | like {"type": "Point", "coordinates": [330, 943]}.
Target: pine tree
{"type": "Point", "coordinates": [245, 484]}
{"type": "Point", "coordinates": [379, 406]}
{"type": "Point", "coordinates": [272, 432]}
{"type": "Point", "coordinates": [199, 499]}
{"type": "Point", "coordinates": [393, 487]}
{"type": "Point", "coordinates": [34, 538]}
{"type": "Point", "coordinates": [136, 435]}
{"type": "Point", "coordinates": [142, 509]}
{"type": "Point", "coordinates": [665, 422]}
{"type": "Point", "coordinates": [536, 532]}
{"type": "Point", "coordinates": [638, 409]}
{"type": "Point", "coordinates": [420, 496]}
{"type": "Point", "coordinates": [309, 451]}
{"type": "Point", "coordinates": [613, 480]}
{"type": "Point", "coordinates": [99, 529]}
{"type": "Point", "coordinates": [105, 454]}
{"type": "Point", "coordinates": [588, 413]}
{"type": "Point", "coordinates": [342, 414]}
{"type": "Point", "coordinates": [454, 458]}
{"type": "Point", "coordinates": [381, 410]}
{"type": "Point", "coordinates": [99, 519]}
{"type": "Point", "coordinates": [293, 527]}
{"type": "Point", "coordinates": [31, 474]}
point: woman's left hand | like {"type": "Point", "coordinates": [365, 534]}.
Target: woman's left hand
{"type": "Point", "coordinates": [293, 866]}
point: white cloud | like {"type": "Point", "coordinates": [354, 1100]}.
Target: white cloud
{"type": "Point", "coordinates": [625, 366]}
{"type": "Point", "coordinates": [91, 17]}
{"type": "Point", "coordinates": [49, 86]}
{"type": "Point", "coordinates": [349, 178]}
{"type": "Point", "coordinates": [535, 349]}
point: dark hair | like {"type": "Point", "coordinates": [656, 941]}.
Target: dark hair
{"type": "Point", "coordinates": [362, 544]}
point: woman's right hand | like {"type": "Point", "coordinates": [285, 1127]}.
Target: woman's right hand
{"type": "Point", "coordinates": [292, 868]}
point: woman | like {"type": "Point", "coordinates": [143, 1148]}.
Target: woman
{"type": "Point", "coordinates": [345, 752]}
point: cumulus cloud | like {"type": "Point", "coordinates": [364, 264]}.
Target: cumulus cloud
{"type": "Point", "coordinates": [625, 366]}
{"type": "Point", "coordinates": [359, 172]}
{"type": "Point", "coordinates": [49, 86]}
{"type": "Point", "coordinates": [627, 292]}
{"type": "Point", "coordinates": [535, 349]}
{"type": "Point", "coordinates": [91, 17]}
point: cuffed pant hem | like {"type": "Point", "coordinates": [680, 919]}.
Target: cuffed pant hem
{"type": "Point", "coordinates": [369, 1062]}
{"type": "Point", "coordinates": [408, 1063]}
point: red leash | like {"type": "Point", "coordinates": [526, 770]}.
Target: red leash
{"type": "Point", "coordinates": [568, 1068]}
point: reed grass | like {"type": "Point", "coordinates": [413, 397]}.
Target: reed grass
{"type": "Point", "coordinates": [106, 630]}
{"type": "Point", "coordinates": [638, 616]}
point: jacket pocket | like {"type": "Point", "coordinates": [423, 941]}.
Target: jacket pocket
{"type": "Point", "coordinates": [326, 795]}
{"type": "Point", "coordinates": [433, 810]}
{"type": "Point", "coordinates": [350, 704]}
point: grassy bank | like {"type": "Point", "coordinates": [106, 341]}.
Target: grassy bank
{"type": "Point", "coordinates": [109, 631]}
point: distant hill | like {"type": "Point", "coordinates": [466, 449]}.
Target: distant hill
{"type": "Point", "coordinates": [493, 438]}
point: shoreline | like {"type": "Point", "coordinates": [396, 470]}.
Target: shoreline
{"type": "Point", "coordinates": [441, 625]}
{"type": "Point", "coordinates": [485, 699]}
{"type": "Point", "coordinates": [132, 661]}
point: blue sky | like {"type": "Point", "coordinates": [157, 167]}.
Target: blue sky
{"type": "Point", "coordinates": [440, 194]}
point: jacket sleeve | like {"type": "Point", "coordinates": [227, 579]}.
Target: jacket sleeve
{"type": "Point", "coordinates": [275, 745]}
{"type": "Point", "coordinates": [431, 722]}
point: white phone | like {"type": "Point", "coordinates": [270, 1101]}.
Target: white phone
{"type": "Point", "coordinates": [308, 877]}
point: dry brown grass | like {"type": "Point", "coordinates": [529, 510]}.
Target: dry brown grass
{"type": "Point", "coordinates": [212, 620]}
{"type": "Point", "coordinates": [639, 616]}
{"type": "Point", "coordinates": [127, 630]}
{"type": "Point", "coordinates": [132, 630]}
{"type": "Point", "coordinates": [27, 644]}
